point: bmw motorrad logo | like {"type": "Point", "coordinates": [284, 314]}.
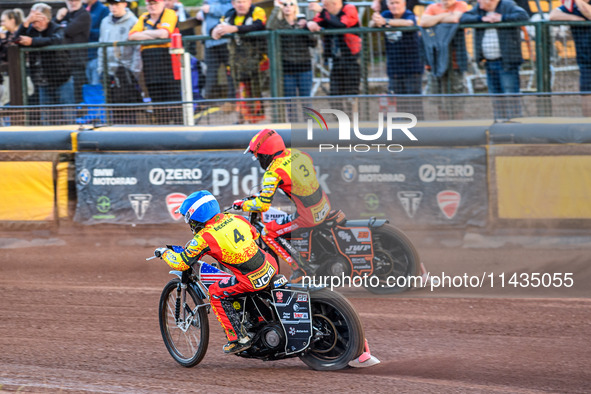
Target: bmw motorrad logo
{"type": "Point", "coordinates": [348, 173]}
{"type": "Point", "coordinates": [84, 176]}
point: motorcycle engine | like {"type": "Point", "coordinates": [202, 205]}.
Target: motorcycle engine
{"type": "Point", "coordinates": [272, 336]}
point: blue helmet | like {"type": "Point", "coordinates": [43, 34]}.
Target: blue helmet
{"type": "Point", "coordinates": [198, 208]}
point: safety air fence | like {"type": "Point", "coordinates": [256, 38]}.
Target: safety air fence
{"type": "Point", "coordinates": [399, 67]}
{"type": "Point", "coordinates": [455, 175]}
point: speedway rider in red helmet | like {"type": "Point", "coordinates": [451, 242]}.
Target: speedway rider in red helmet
{"type": "Point", "coordinates": [292, 171]}
{"type": "Point", "coordinates": [230, 239]}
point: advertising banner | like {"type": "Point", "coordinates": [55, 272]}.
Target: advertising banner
{"type": "Point", "coordinates": [148, 188]}
{"type": "Point", "coordinates": [416, 187]}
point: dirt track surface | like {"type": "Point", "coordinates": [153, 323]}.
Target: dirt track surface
{"type": "Point", "coordinates": [78, 313]}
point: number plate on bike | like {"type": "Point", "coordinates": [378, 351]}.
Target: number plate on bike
{"type": "Point", "coordinates": [293, 308]}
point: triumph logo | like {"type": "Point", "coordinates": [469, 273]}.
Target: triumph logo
{"type": "Point", "coordinates": [392, 123]}
{"type": "Point", "coordinates": [410, 202]}
{"type": "Point", "coordinates": [140, 204]}
{"type": "Point", "coordinates": [449, 201]}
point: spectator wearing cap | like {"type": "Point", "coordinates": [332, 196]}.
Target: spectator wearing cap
{"type": "Point", "coordinates": [124, 63]}
{"type": "Point", "coordinates": [580, 11]}
{"type": "Point", "coordinates": [216, 51]}
{"type": "Point", "coordinates": [50, 70]}
{"type": "Point", "coordinates": [500, 48]}
{"type": "Point", "coordinates": [343, 49]}
{"type": "Point", "coordinates": [97, 13]}
{"type": "Point", "coordinates": [115, 28]}
{"type": "Point", "coordinates": [75, 21]}
{"type": "Point", "coordinates": [158, 23]}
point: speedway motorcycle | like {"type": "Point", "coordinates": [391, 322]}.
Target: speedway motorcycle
{"type": "Point", "coordinates": [352, 248]}
{"type": "Point", "coordinates": [283, 320]}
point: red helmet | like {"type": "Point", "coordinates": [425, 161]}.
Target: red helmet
{"type": "Point", "coordinates": [266, 142]}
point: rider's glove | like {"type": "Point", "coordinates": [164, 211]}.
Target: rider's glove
{"type": "Point", "coordinates": [159, 252]}
{"type": "Point", "coordinates": [237, 205]}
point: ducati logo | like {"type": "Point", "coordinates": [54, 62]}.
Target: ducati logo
{"type": "Point", "coordinates": [449, 201]}
{"type": "Point", "coordinates": [173, 202]}
{"type": "Point", "coordinates": [410, 202]}
{"type": "Point", "coordinates": [140, 204]}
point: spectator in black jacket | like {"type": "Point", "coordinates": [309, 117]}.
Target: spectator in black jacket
{"type": "Point", "coordinates": [501, 49]}
{"type": "Point", "coordinates": [50, 70]}
{"type": "Point", "coordinates": [75, 21]}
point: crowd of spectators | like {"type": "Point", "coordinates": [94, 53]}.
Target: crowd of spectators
{"type": "Point", "coordinates": [237, 64]}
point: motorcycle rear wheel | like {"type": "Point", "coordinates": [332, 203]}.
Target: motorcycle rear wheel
{"type": "Point", "coordinates": [337, 332]}
{"type": "Point", "coordinates": [394, 256]}
{"type": "Point", "coordinates": [187, 347]}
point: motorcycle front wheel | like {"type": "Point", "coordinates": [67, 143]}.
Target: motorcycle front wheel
{"type": "Point", "coordinates": [337, 332]}
{"type": "Point", "coordinates": [188, 337]}
{"type": "Point", "coordinates": [395, 259]}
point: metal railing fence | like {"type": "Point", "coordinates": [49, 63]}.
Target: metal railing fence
{"type": "Point", "coordinates": [547, 48]}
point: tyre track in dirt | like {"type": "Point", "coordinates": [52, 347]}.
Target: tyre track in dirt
{"type": "Point", "coordinates": [81, 316]}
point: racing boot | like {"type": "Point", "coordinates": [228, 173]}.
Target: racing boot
{"type": "Point", "coordinates": [242, 343]}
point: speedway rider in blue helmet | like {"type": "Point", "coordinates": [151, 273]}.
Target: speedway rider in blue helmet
{"type": "Point", "coordinates": [230, 239]}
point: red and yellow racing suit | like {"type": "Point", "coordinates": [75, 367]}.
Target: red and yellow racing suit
{"type": "Point", "coordinates": [293, 172]}
{"type": "Point", "coordinates": [230, 239]}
